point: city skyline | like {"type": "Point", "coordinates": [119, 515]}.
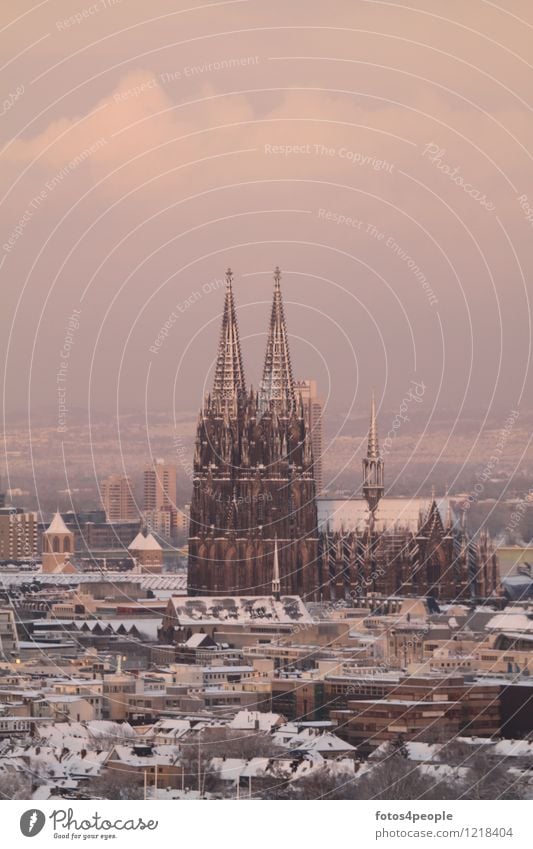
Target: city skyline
{"type": "Point", "coordinates": [266, 486]}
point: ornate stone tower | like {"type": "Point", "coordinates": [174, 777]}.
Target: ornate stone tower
{"type": "Point", "coordinates": [253, 478]}
{"type": "Point", "coordinates": [373, 466]}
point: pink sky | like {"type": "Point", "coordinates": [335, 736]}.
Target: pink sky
{"type": "Point", "coordinates": [365, 147]}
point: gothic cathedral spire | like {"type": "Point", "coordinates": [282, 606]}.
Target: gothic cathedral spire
{"type": "Point", "coordinates": [373, 466]}
{"type": "Point", "coordinates": [277, 385]}
{"type": "Point", "coordinates": [229, 373]}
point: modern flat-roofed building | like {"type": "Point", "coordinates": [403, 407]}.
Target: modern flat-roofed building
{"type": "Point", "coordinates": [18, 534]}
{"type": "Point", "coordinates": [117, 499]}
{"type": "Point", "coordinates": [159, 486]}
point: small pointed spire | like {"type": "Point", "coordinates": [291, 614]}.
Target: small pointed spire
{"type": "Point", "coordinates": [373, 445]}
{"type": "Point", "coordinates": [229, 373]}
{"type": "Point", "coordinates": [276, 582]}
{"type": "Point", "coordinates": [449, 515]}
{"type": "Point", "coordinates": [373, 466]}
{"type": "Point", "coordinates": [277, 385]}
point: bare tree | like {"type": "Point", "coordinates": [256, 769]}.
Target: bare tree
{"type": "Point", "coordinates": [395, 777]}
{"type": "Point", "coordinates": [484, 775]}
{"type": "Point", "coordinates": [197, 754]}
{"type": "Point", "coordinates": [113, 784]}
{"type": "Point", "coordinates": [324, 784]}
{"type": "Point", "coordinates": [15, 785]}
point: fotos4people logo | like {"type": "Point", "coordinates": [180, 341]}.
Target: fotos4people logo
{"type": "Point", "coordinates": [32, 822]}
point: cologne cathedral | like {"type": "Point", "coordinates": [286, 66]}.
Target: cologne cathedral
{"type": "Point", "coordinates": [257, 527]}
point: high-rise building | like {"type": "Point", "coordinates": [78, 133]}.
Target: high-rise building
{"type": "Point", "coordinates": [183, 519]}
{"type": "Point", "coordinates": [117, 499]}
{"type": "Point", "coordinates": [160, 522]}
{"type": "Point", "coordinates": [18, 534]}
{"type": "Point", "coordinates": [159, 486]}
{"type": "Point", "coordinates": [314, 408]}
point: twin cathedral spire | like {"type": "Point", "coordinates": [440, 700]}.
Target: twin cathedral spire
{"type": "Point", "coordinates": [277, 385]}
{"type": "Point", "coordinates": [277, 392]}
{"type": "Point", "coordinates": [254, 527]}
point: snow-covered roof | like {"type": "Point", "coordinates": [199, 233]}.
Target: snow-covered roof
{"type": "Point", "coordinates": [252, 610]}
{"type": "Point", "coordinates": [308, 740]}
{"type": "Point", "coordinates": [55, 763]}
{"type": "Point", "coordinates": [162, 755]}
{"type": "Point", "coordinates": [514, 748]}
{"type": "Point", "coordinates": [228, 769]}
{"type": "Point", "coordinates": [254, 720]}
{"type": "Point", "coordinates": [173, 728]}
{"type": "Point", "coordinates": [512, 619]}
{"type": "Point", "coordinates": [137, 544]}
{"type": "Point", "coordinates": [144, 543]}
{"type": "Point", "coordinates": [79, 735]}
{"type": "Point", "coordinates": [415, 751]}
{"type": "Point", "coordinates": [196, 640]}
{"type": "Point", "coordinates": [323, 743]}
{"type": "Point", "coordinates": [145, 626]}
{"type": "Point", "coordinates": [152, 543]}
{"type": "Point", "coordinates": [57, 525]}
{"type": "Point", "coordinates": [168, 583]}
{"type": "Point", "coordinates": [232, 769]}
{"type": "Point", "coordinates": [352, 513]}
